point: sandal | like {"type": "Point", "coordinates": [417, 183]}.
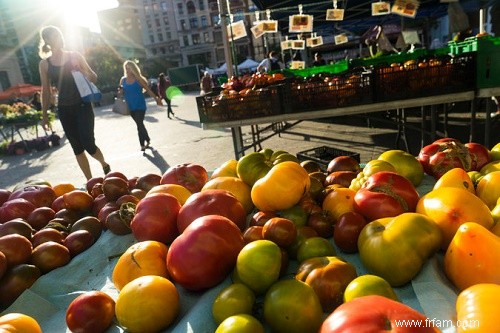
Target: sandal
{"type": "Point", "coordinates": [106, 169]}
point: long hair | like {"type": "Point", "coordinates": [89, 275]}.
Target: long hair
{"type": "Point", "coordinates": [134, 68]}
{"type": "Point", "coordinates": [44, 47]}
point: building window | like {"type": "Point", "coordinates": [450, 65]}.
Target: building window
{"type": "Point", "coordinates": [162, 50]}
{"type": "Point", "coordinates": [204, 22]}
{"type": "Point", "coordinates": [180, 8]}
{"type": "Point", "coordinates": [157, 22]}
{"type": "Point", "coordinates": [206, 37]}
{"type": "Point", "coordinates": [164, 6]}
{"type": "Point", "coordinates": [218, 37]}
{"type": "Point", "coordinates": [170, 48]}
{"type": "Point", "coordinates": [147, 9]}
{"type": "Point", "coordinates": [216, 20]}
{"type": "Point", "coordinates": [148, 24]}
{"type": "Point", "coordinates": [156, 7]}
{"type": "Point", "coordinates": [151, 39]}
{"type": "Point", "coordinates": [154, 51]}
{"type": "Point", "coordinates": [183, 25]}
{"type": "Point", "coordinates": [195, 38]}
{"type": "Point", "coordinates": [4, 80]}
{"type": "Point", "coordinates": [202, 4]}
{"type": "Point", "coordinates": [169, 35]}
{"type": "Point", "coordinates": [191, 9]}
{"type": "Point", "coordinates": [186, 41]}
{"type": "Point", "coordinates": [193, 22]}
{"type": "Point", "coordinates": [160, 37]}
{"type": "Point", "coordinates": [165, 20]}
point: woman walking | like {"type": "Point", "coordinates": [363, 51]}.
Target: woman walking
{"type": "Point", "coordinates": [133, 84]}
{"type": "Point", "coordinates": [163, 85]}
{"type": "Point", "coordinates": [76, 116]}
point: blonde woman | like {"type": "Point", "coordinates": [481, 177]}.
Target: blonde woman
{"type": "Point", "coordinates": [76, 116]}
{"type": "Point", "coordinates": [133, 85]}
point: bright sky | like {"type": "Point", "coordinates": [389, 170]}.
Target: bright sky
{"type": "Point", "coordinates": [84, 12]}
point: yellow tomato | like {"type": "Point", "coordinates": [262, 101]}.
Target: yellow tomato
{"type": "Point", "coordinates": [142, 258]}
{"type": "Point", "coordinates": [178, 191]}
{"type": "Point", "coordinates": [338, 201]}
{"type": "Point", "coordinates": [236, 187]}
{"type": "Point", "coordinates": [226, 169]}
{"type": "Point", "coordinates": [488, 189]}
{"type": "Point", "coordinates": [281, 188]}
{"type": "Point", "coordinates": [234, 299]}
{"type": "Point", "coordinates": [147, 304]}
{"type": "Point", "coordinates": [406, 165]}
{"type": "Point", "coordinates": [478, 309]}
{"type": "Point", "coordinates": [19, 323]}
{"type": "Point", "coordinates": [241, 323]}
{"type": "Point", "coordinates": [456, 177]}
{"type": "Point", "coordinates": [63, 188]}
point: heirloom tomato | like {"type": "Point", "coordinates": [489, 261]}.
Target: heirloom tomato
{"type": "Point", "coordinates": [281, 188]}
{"type": "Point", "coordinates": [376, 314]}
{"type": "Point", "coordinates": [256, 165]}
{"type": "Point", "coordinates": [91, 311]}
{"type": "Point", "coordinates": [338, 201]}
{"type": "Point", "coordinates": [443, 155]}
{"type": "Point", "coordinates": [19, 323]}
{"type": "Point", "coordinates": [385, 194]}
{"type": "Point", "coordinates": [488, 189]}
{"type": "Point", "coordinates": [236, 187]}
{"type": "Point", "coordinates": [232, 300]}
{"type": "Point", "coordinates": [478, 305]}
{"type": "Point", "coordinates": [190, 175]}
{"type": "Point", "coordinates": [38, 195]}
{"type": "Point", "coordinates": [480, 155]}
{"type": "Point", "coordinates": [292, 306]}
{"type": "Point", "coordinates": [241, 323]}
{"type": "Point", "coordinates": [406, 165]}
{"type": "Point", "coordinates": [205, 253]}
{"type": "Point", "coordinates": [369, 284]}
{"type": "Point", "coordinates": [456, 177]}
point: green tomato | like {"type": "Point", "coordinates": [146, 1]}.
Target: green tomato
{"type": "Point", "coordinates": [315, 247]}
{"type": "Point", "coordinates": [296, 214]}
{"type": "Point", "coordinates": [406, 165]}
{"type": "Point", "coordinates": [258, 265]}
{"type": "Point", "coordinates": [369, 285]}
{"type": "Point", "coordinates": [242, 323]}
{"type": "Point", "coordinates": [234, 299]}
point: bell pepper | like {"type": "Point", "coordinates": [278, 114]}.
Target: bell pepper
{"type": "Point", "coordinates": [256, 165]}
{"type": "Point", "coordinates": [328, 276]}
{"type": "Point", "coordinates": [443, 155]}
{"type": "Point", "coordinates": [281, 188]}
{"type": "Point", "coordinates": [376, 314]}
{"type": "Point", "coordinates": [478, 308]}
{"type": "Point", "coordinates": [385, 194]}
{"type": "Point", "coordinates": [473, 256]}
{"type": "Point", "coordinates": [396, 248]}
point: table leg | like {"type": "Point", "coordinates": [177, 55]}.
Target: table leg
{"type": "Point", "coordinates": [237, 142]}
{"type": "Point", "coordinates": [472, 133]}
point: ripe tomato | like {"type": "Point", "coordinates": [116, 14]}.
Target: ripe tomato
{"type": "Point", "coordinates": [235, 299]}
{"type": "Point", "coordinates": [147, 304]}
{"type": "Point", "coordinates": [369, 285]}
{"type": "Point", "coordinates": [292, 306]}
{"type": "Point", "coordinates": [142, 258]}
{"type": "Point", "coordinates": [280, 231]}
{"type": "Point", "coordinates": [406, 165]}
{"type": "Point", "coordinates": [91, 311]}
{"type": "Point", "coordinates": [315, 247]}
{"type": "Point", "coordinates": [19, 323]}
{"type": "Point", "coordinates": [241, 323]}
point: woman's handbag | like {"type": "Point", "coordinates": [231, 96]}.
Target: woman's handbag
{"type": "Point", "coordinates": [88, 90]}
{"type": "Point", "coordinates": [120, 106]}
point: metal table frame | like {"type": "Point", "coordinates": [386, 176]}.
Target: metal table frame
{"type": "Point", "coordinates": [433, 101]}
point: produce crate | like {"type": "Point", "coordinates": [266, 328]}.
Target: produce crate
{"type": "Point", "coordinates": [389, 59]}
{"type": "Point", "coordinates": [448, 75]}
{"type": "Point", "coordinates": [325, 92]}
{"type": "Point", "coordinates": [262, 102]}
{"type": "Point", "coordinates": [336, 68]}
{"type": "Point", "coordinates": [488, 63]}
{"type": "Point", "coordinates": [468, 45]}
{"type": "Point", "coordinates": [324, 154]}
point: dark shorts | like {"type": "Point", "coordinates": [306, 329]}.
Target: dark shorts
{"type": "Point", "coordinates": [78, 124]}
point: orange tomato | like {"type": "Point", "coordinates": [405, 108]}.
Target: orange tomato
{"type": "Point", "coordinates": [19, 323]}
{"type": "Point", "coordinates": [478, 307]}
{"type": "Point", "coordinates": [456, 177]}
{"type": "Point", "coordinates": [63, 188]}
{"type": "Point", "coordinates": [488, 189]}
{"type": "Point", "coordinates": [338, 201]}
{"type": "Point", "coordinates": [142, 258]}
{"type": "Point", "coordinates": [147, 304]}
{"type": "Point", "coordinates": [78, 200]}
{"type": "Point", "coordinates": [450, 207]}
{"type": "Point", "coordinates": [178, 191]}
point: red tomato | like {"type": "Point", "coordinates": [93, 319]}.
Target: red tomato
{"type": "Point", "coordinates": [280, 231]}
{"type": "Point", "coordinates": [38, 195]}
{"type": "Point", "coordinates": [480, 155]}
{"type": "Point", "coordinates": [385, 194]}
{"type": "Point", "coordinates": [347, 230]}
{"type": "Point", "coordinates": [204, 254]}
{"type": "Point", "coordinates": [90, 312]}
{"type": "Point", "coordinates": [15, 208]}
{"type": "Point", "coordinates": [191, 176]}
{"type": "Point", "coordinates": [156, 218]}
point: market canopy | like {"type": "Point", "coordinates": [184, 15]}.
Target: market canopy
{"type": "Point", "coordinates": [357, 13]}
{"type": "Point", "coordinates": [248, 64]}
{"type": "Point", "coordinates": [19, 90]}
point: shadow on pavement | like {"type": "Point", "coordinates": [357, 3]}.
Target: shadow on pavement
{"type": "Point", "coordinates": [155, 158]}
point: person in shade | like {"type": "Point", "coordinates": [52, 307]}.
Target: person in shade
{"type": "Point", "coordinates": [163, 85]}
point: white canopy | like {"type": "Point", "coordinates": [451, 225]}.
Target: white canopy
{"type": "Point", "coordinates": [248, 64]}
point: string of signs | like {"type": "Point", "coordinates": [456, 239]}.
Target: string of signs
{"type": "Point", "coordinates": [302, 23]}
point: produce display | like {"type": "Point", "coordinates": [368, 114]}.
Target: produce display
{"type": "Point", "coordinates": [268, 242]}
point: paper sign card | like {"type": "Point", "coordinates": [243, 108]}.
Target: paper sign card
{"type": "Point", "coordinates": [297, 65]}
{"type": "Point", "coordinates": [407, 8]}
{"type": "Point", "coordinates": [314, 41]}
{"type": "Point", "coordinates": [334, 14]}
{"type": "Point", "coordinates": [381, 8]}
{"type": "Point", "coordinates": [286, 45]}
{"type": "Point", "coordinates": [341, 39]}
{"type": "Point", "coordinates": [298, 44]}
{"type": "Point", "coordinates": [300, 23]}
{"type": "Point", "coordinates": [257, 30]}
{"type": "Point", "coordinates": [237, 30]}
{"type": "Point", "coordinates": [270, 26]}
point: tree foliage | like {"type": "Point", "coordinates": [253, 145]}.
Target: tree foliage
{"type": "Point", "coordinates": [108, 66]}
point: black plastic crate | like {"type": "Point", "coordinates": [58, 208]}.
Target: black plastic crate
{"type": "Point", "coordinates": [324, 92]}
{"type": "Point", "coordinates": [324, 154]}
{"type": "Point", "coordinates": [437, 77]}
{"type": "Point", "coordinates": [258, 103]}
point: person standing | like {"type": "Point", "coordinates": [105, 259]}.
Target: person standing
{"type": "Point", "coordinates": [133, 84]}
{"type": "Point", "coordinates": [271, 63]}
{"type": "Point", "coordinates": [36, 102]}
{"type": "Point", "coordinates": [163, 85]}
{"type": "Point", "coordinates": [206, 84]}
{"type": "Point", "coordinates": [77, 117]}
{"type": "Point", "coordinates": [318, 60]}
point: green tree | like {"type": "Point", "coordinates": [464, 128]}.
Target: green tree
{"type": "Point", "coordinates": [108, 66]}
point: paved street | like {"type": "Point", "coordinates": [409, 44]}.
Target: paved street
{"type": "Point", "coordinates": [183, 140]}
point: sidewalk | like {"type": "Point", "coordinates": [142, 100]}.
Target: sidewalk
{"type": "Point", "coordinates": [182, 140]}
